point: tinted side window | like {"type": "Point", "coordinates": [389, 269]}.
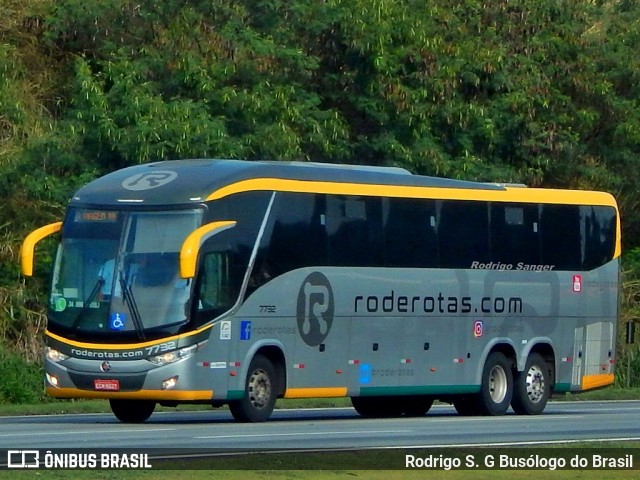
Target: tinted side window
{"type": "Point", "coordinates": [560, 236]}
{"type": "Point", "coordinates": [296, 237]}
{"type": "Point", "coordinates": [598, 235]}
{"type": "Point", "coordinates": [514, 233]}
{"type": "Point", "coordinates": [240, 206]}
{"type": "Point", "coordinates": [217, 291]}
{"type": "Point", "coordinates": [463, 233]}
{"type": "Point", "coordinates": [354, 230]}
{"type": "Point", "coordinates": [410, 232]}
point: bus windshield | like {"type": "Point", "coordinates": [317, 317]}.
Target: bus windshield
{"type": "Point", "coordinates": [116, 274]}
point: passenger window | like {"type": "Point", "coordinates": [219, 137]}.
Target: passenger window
{"type": "Point", "coordinates": [598, 234]}
{"type": "Point", "coordinates": [410, 232]}
{"type": "Point", "coordinates": [464, 233]}
{"type": "Point", "coordinates": [560, 237]}
{"type": "Point", "coordinates": [515, 234]}
{"type": "Point", "coordinates": [296, 237]}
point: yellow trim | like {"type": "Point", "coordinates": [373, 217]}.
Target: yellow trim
{"type": "Point", "coordinates": [320, 392]}
{"type": "Point", "coordinates": [191, 246]}
{"type": "Point", "coordinates": [123, 346]}
{"type": "Point", "coordinates": [29, 245]}
{"type": "Point", "coordinates": [509, 194]}
{"type": "Point", "coordinates": [596, 381]}
{"type": "Point", "coordinates": [159, 395]}
{"type": "Point", "coordinates": [618, 251]}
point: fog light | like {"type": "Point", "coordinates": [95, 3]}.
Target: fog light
{"type": "Point", "coordinates": [170, 383]}
{"type": "Point", "coordinates": [53, 381]}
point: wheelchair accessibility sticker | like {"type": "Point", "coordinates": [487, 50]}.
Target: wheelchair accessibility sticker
{"type": "Point", "coordinates": [117, 321]}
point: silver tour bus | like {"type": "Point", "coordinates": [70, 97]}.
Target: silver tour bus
{"type": "Point", "coordinates": [234, 282]}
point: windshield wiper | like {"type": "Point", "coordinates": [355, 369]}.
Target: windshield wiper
{"type": "Point", "coordinates": [130, 301]}
{"type": "Point", "coordinates": [85, 306]}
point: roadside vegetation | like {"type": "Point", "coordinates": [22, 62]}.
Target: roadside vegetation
{"type": "Point", "coordinates": [538, 92]}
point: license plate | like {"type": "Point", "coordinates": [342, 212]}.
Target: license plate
{"type": "Point", "coordinates": [108, 385]}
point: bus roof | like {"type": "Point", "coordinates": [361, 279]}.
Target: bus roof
{"type": "Point", "coordinates": [189, 181]}
{"type": "Point", "coordinates": [186, 182]}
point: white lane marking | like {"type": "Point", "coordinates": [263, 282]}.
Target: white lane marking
{"type": "Point", "coordinates": [71, 432]}
{"type": "Point", "coordinates": [509, 418]}
{"type": "Point", "coordinates": [510, 444]}
{"type": "Point", "coordinates": [304, 434]}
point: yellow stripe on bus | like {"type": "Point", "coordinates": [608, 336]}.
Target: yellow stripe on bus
{"type": "Point", "coordinates": [519, 194]}
{"type": "Point", "coordinates": [123, 346]}
{"type": "Point", "coordinates": [319, 392]}
{"type": "Point", "coordinates": [160, 395]}
{"type": "Point", "coordinates": [509, 194]}
{"type": "Point", "coordinates": [596, 381]}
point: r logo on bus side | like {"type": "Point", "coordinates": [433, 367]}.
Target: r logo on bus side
{"type": "Point", "coordinates": [147, 181]}
{"type": "Point", "coordinates": [315, 309]}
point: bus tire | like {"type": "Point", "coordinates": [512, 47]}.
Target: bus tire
{"type": "Point", "coordinates": [260, 393]}
{"type": "Point", "coordinates": [531, 387]}
{"type": "Point", "coordinates": [497, 386]}
{"type": "Point", "coordinates": [132, 411]}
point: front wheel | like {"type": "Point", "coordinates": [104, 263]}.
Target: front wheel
{"type": "Point", "coordinates": [259, 397]}
{"type": "Point", "coordinates": [532, 387]}
{"type": "Point", "coordinates": [132, 411]}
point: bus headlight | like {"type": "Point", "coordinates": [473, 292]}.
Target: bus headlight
{"type": "Point", "coordinates": [54, 355]}
{"type": "Point", "coordinates": [174, 356]}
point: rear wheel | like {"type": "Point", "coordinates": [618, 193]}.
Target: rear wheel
{"type": "Point", "coordinates": [132, 411]}
{"type": "Point", "coordinates": [532, 387]}
{"type": "Point", "coordinates": [496, 390]}
{"type": "Point", "coordinates": [497, 385]}
{"type": "Point", "coordinates": [260, 393]}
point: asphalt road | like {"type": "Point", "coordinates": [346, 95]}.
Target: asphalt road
{"type": "Point", "coordinates": [323, 428]}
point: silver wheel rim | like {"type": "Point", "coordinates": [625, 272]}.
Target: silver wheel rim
{"type": "Point", "coordinates": [498, 384]}
{"type": "Point", "coordinates": [535, 384]}
{"type": "Point", "coordinates": [259, 388]}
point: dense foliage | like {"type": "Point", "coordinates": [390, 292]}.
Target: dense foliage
{"type": "Point", "coordinates": [542, 92]}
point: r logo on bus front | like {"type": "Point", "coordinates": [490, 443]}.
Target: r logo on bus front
{"type": "Point", "coordinates": [147, 181]}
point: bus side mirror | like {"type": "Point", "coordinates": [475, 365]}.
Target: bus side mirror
{"type": "Point", "coordinates": [29, 245]}
{"type": "Point", "coordinates": [191, 246]}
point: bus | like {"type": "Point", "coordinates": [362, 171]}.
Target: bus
{"type": "Point", "coordinates": [230, 282]}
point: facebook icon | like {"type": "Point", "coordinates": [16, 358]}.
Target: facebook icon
{"type": "Point", "coordinates": [245, 330]}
